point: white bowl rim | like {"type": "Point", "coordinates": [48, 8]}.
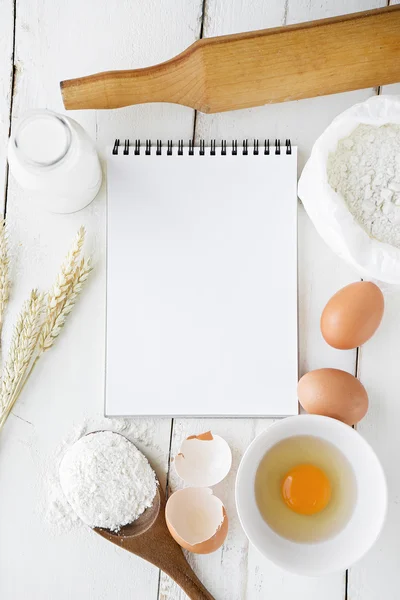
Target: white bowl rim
{"type": "Point", "coordinates": [286, 566]}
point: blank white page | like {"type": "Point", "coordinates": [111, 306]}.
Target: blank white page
{"type": "Point", "coordinates": [202, 284]}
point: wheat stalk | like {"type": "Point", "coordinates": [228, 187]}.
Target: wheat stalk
{"type": "Point", "coordinates": [32, 338]}
{"type": "Point", "coordinates": [23, 344]}
{"type": "Point", "coordinates": [4, 271]}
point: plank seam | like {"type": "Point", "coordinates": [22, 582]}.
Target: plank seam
{"type": "Point", "coordinates": [12, 93]}
{"type": "Point", "coordinates": [171, 433]}
{"type": "Point", "coordinates": [285, 12]}
{"type": "Point", "coordinates": [201, 34]}
{"type": "Point", "coordinates": [169, 458]}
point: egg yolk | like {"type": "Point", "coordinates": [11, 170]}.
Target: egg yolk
{"type": "Point", "coordinates": [306, 489]}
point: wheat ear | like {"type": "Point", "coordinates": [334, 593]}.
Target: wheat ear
{"type": "Point", "coordinates": [57, 312]}
{"type": "Point", "coordinates": [4, 271]}
{"type": "Point", "coordinates": [57, 297]}
{"type": "Point", "coordinates": [56, 318]}
{"type": "Point", "coordinates": [23, 344]}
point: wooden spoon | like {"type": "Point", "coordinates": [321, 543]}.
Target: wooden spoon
{"type": "Point", "coordinates": [350, 52]}
{"type": "Point", "coordinates": [149, 538]}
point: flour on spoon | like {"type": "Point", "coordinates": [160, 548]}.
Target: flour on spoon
{"type": "Point", "coordinates": [58, 514]}
{"type": "Point", "coordinates": [107, 480]}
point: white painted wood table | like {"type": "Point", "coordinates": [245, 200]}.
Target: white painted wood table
{"type": "Point", "coordinates": [42, 42]}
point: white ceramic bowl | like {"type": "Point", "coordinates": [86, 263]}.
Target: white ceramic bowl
{"type": "Point", "coordinates": [360, 533]}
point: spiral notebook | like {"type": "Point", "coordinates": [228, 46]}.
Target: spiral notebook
{"type": "Point", "coordinates": [201, 279]}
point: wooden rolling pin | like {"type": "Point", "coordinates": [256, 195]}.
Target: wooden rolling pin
{"type": "Point", "coordinates": [344, 53]}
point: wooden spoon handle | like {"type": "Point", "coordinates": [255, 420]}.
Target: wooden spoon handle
{"type": "Point", "coordinates": [149, 538]}
{"type": "Point", "coordinates": [344, 53]}
{"type": "Point", "coordinates": [190, 583]}
{"type": "Point", "coordinates": [158, 548]}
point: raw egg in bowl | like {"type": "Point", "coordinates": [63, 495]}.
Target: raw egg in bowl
{"type": "Point", "coordinates": [311, 495]}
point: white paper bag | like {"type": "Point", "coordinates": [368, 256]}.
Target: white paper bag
{"type": "Point", "coordinates": [328, 210]}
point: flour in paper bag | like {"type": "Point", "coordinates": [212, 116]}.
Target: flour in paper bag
{"type": "Point", "coordinates": [365, 171]}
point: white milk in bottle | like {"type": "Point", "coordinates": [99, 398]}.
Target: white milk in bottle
{"type": "Point", "coordinates": [55, 161]}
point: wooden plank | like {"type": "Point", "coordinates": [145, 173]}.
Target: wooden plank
{"type": "Point", "coordinates": [6, 82]}
{"type": "Point", "coordinates": [377, 574]}
{"type": "Point", "coordinates": [56, 40]}
{"type": "Point", "coordinates": [98, 572]}
{"type": "Point", "coordinates": [238, 572]}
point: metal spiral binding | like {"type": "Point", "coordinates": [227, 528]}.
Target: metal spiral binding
{"type": "Point", "coordinates": [234, 149]}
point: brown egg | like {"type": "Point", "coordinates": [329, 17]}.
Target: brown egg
{"type": "Point", "coordinates": [352, 315]}
{"type": "Point", "coordinates": [333, 393]}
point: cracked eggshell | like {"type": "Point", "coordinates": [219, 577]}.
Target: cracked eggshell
{"type": "Point", "coordinates": [197, 520]}
{"type": "Point", "coordinates": [203, 460]}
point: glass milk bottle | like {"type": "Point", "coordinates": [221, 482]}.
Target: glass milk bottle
{"type": "Point", "coordinates": [55, 161]}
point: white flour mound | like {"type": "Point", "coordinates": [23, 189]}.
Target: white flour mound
{"type": "Point", "coordinates": [59, 516]}
{"type": "Point", "coordinates": [365, 171]}
{"type": "Point", "coordinates": [107, 480]}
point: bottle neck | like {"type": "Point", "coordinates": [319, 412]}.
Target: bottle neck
{"type": "Point", "coordinates": [42, 139]}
